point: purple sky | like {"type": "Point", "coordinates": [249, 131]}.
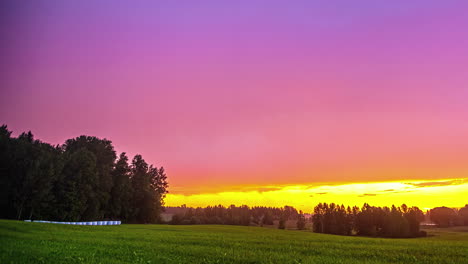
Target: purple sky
{"type": "Point", "coordinates": [247, 92]}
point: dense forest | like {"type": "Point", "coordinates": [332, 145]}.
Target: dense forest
{"type": "Point", "coordinates": [330, 218]}
{"type": "Point", "coordinates": [369, 220]}
{"type": "Point", "coordinates": [391, 221]}
{"type": "Point", "coordinates": [236, 215]}
{"type": "Point", "coordinates": [446, 217]}
{"type": "Point", "coordinates": [81, 180]}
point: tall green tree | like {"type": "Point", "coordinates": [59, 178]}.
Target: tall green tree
{"type": "Point", "coordinates": [77, 197]}
{"type": "Point", "coordinates": [80, 180]}
{"type": "Point", "coordinates": [34, 169]}
{"type": "Point", "coordinates": [121, 193]}
{"type": "Point", "coordinates": [105, 156]}
{"type": "Point", "coordinates": [140, 185]}
{"type": "Point", "coordinates": [149, 186]}
{"type": "Point", "coordinates": [6, 179]}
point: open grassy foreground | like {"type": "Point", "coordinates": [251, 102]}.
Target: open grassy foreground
{"type": "Point", "coordinates": [51, 243]}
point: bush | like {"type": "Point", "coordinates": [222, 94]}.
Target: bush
{"type": "Point", "coordinates": [301, 222]}
{"type": "Point", "coordinates": [282, 224]}
{"type": "Point", "coordinates": [176, 220]}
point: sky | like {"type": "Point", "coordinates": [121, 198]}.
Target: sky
{"type": "Point", "coordinates": [252, 101]}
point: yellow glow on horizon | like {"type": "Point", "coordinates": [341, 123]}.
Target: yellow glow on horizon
{"type": "Point", "coordinates": [424, 194]}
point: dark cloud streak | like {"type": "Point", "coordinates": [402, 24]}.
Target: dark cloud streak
{"type": "Point", "coordinates": [438, 183]}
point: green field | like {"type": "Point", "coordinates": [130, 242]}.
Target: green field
{"type": "Point", "coordinates": [22, 242]}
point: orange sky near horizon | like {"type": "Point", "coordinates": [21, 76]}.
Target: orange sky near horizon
{"type": "Point", "coordinates": [425, 194]}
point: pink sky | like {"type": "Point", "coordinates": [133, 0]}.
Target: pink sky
{"type": "Point", "coordinates": [248, 93]}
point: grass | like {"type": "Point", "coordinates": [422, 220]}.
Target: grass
{"type": "Point", "coordinates": [22, 242]}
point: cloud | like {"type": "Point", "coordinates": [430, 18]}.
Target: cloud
{"type": "Point", "coordinates": [438, 183]}
{"type": "Point", "coordinates": [322, 193]}
{"type": "Point", "coordinates": [268, 189]}
{"type": "Point", "coordinates": [367, 194]}
{"type": "Point", "coordinates": [393, 191]}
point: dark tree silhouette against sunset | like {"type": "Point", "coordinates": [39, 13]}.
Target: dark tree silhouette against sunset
{"type": "Point", "coordinates": [81, 180]}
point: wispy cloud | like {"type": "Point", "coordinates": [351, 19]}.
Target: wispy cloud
{"type": "Point", "coordinates": [367, 194]}
{"type": "Point", "coordinates": [268, 189]}
{"type": "Point", "coordinates": [438, 183]}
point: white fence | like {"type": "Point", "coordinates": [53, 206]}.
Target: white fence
{"type": "Point", "coordinates": [78, 223]}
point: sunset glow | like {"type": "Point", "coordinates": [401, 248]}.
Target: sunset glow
{"type": "Point", "coordinates": [424, 194]}
{"type": "Point", "coordinates": [253, 102]}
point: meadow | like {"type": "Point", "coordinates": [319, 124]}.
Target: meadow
{"type": "Point", "coordinates": [22, 242]}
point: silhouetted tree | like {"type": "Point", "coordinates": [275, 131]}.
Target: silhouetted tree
{"type": "Point", "coordinates": [267, 218]}
{"type": "Point", "coordinates": [121, 194]}
{"type": "Point", "coordinates": [105, 156]}
{"type": "Point", "coordinates": [77, 198]}
{"type": "Point", "coordinates": [232, 215]}
{"type": "Point", "coordinates": [80, 180]}
{"type": "Point", "coordinates": [367, 221]}
{"type": "Point", "coordinates": [33, 169]}
{"type": "Point", "coordinates": [414, 216]}
{"type": "Point", "coordinates": [282, 223]}
{"type": "Point", "coordinates": [149, 189]}
{"type": "Point", "coordinates": [301, 221]}
{"type": "Point", "coordinates": [463, 214]}
{"type": "Point", "coordinates": [443, 216]}
{"type": "Point", "coordinates": [176, 220]}
{"type": "Point", "coordinates": [7, 210]}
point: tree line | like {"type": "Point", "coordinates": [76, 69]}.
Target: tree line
{"type": "Point", "coordinates": [368, 220]}
{"type": "Point", "coordinates": [236, 215]}
{"type": "Point", "coordinates": [393, 222]}
{"type": "Point", "coordinates": [80, 180]}
{"type": "Point", "coordinates": [84, 180]}
{"type": "Point", "coordinates": [445, 217]}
